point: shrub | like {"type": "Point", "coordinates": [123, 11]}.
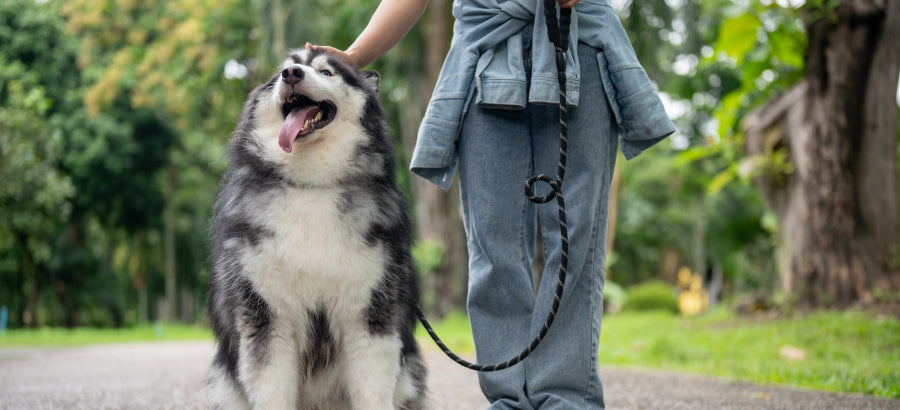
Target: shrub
{"type": "Point", "coordinates": [652, 295]}
{"type": "Point", "coordinates": [613, 297]}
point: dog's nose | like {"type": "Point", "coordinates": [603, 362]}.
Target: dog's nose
{"type": "Point", "coordinates": [292, 75]}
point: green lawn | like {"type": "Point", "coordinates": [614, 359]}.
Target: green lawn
{"type": "Point", "coordinates": [85, 336]}
{"type": "Point", "coordinates": [844, 351]}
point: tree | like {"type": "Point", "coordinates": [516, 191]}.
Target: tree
{"type": "Point", "coordinates": [35, 195]}
{"type": "Point", "coordinates": [157, 69]}
{"type": "Point", "coordinates": [675, 205]}
{"type": "Point", "coordinates": [837, 130]}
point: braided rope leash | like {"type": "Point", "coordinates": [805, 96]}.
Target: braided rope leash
{"type": "Point", "coordinates": [559, 35]}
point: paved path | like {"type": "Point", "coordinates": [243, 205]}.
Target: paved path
{"type": "Point", "coordinates": [170, 376]}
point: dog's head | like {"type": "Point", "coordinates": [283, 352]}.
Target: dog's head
{"type": "Point", "coordinates": [317, 119]}
{"type": "Point", "coordinates": [315, 88]}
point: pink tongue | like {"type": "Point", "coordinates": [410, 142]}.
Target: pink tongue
{"type": "Point", "coordinates": [293, 126]}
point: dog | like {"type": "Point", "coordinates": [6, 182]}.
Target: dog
{"type": "Point", "coordinates": [312, 289]}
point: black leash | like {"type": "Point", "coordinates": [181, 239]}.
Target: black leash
{"type": "Point", "coordinates": [559, 35]}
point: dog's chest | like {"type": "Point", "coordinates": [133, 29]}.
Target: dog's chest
{"type": "Point", "coordinates": [317, 253]}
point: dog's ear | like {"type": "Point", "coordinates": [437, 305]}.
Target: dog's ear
{"type": "Point", "coordinates": [373, 78]}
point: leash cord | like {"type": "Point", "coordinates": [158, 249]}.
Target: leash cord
{"type": "Point", "coordinates": [559, 35]}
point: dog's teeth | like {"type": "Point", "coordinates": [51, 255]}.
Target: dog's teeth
{"type": "Point", "coordinates": [319, 115]}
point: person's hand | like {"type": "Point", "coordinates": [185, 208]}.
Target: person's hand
{"type": "Point", "coordinates": [567, 4]}
{"type": "Point", "coordinates": [332, 50]}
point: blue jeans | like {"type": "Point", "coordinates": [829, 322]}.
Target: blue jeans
{"type": "Point", "coordinates": [499, 150]}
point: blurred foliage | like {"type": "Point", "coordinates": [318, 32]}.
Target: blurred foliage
{"type": "Point", "coordinates": [429, 255]}
{"type": "Point", "coordinates": [135, 94]}
{"type": "Point", "coordinates": [614, 297]}
{"type": "Point", "coordinates": [35, 194]}
{"type": "Point", "coordinates": [713, 61]}
{"type": "Point", "coordinates": [651, 295]}
{"type": "Point", "coordinates": [163, 54]}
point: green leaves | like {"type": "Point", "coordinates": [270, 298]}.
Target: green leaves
{"type": "Point", "coordinates": [766, 44]}
{"type": "Point", "coordinates": [34, 195]}
{"type": "Point", "coordinates": [738, 36]}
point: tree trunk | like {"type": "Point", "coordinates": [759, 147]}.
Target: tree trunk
{"type": "Point", "coordinates": [21, 302]}
{"type": "Point", "coordinates": [169, 244]}
{"type": "Point", "coordinates": [838, 209]}
{"type": "Point", "coordinates": [71, 318]}
{"type": "Point", "coordinates": [138, 268]}
{"type": "Point", "coordinates": [187, 305]}
{"type": "Point", "coordinates": [28, 272]}
{"type": "Point", "coordinates": [143, 302]}
{"type": "Point", "coordinates": [31, 316]}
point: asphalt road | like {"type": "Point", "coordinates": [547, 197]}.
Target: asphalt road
{"type": "Point", "coordinates": [171, 375]}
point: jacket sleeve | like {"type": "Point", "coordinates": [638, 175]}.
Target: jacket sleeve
{"type": "Point", "coordinates": [636, 105]}
{"type": "Point", "coordinates": [434, 157]}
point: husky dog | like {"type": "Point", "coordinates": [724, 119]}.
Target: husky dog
{"type": "Point", "coordinates": [312, 286]}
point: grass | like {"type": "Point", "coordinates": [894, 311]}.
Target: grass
{"type": "Point", "coordinates": [454, 330]}
{"type": "Point", "coordinates": [844, 351]}
{"type": "Point", "coordinates": [849, 351]}
{"type": "Point", "coordinates": [85, 336]}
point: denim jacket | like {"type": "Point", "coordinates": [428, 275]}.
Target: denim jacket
{"type": "Point", "coordinates": [485, 62]}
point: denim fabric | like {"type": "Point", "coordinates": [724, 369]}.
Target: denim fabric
{"type": "Point", "coordinates": [498, 151]}
{"type": "Point", "coordinates": [484, 64]}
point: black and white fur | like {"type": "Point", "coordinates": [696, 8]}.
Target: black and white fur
{"type": "Point", "coordinates": [312, 287]}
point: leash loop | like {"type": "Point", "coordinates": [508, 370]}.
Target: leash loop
{"type": "Point", "coordinates": [556, 189]}
{"type": "Point", "coordinates": [558, 31]}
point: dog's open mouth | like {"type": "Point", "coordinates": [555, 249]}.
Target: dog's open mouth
{"type": "Point", "coordinates": [303, 116]}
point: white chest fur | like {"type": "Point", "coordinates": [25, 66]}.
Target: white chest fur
{"type": "Point", "coordinates": [316, 257]}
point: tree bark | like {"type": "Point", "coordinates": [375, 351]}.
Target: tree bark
{"type": "Point", "coordinates": [31, 316]}
{"type": "Point", "coordinates": [169, 244]}
{"type": "Point", "coordinates": [138, 268]}
{"type": "Point", "coordinates": [28, 271]}
{"type": "Point", "coordinates": [71, 317]}
{"type": "Point", "coordinates": [838, 208]}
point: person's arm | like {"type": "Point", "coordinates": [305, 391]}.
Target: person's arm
{"type": "Point", "coordinates": [391, 21]}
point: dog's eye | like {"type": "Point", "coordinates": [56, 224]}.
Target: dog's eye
{"type": "Point", "coordinates": [325, 73]}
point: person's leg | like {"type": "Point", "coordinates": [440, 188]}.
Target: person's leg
{"type": "Point", "coordinates": [563, 372]}
{"type": "Point", "coordinates": [494, 161]}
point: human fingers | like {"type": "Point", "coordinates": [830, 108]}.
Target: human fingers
{"type": "Point", "coordinates": [334, 51]}
{"type": "Point", "coordinates": [567, 4]}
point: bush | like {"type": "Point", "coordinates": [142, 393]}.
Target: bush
{"type": "Point", "coordinates": [613, 297]}
{"type": "Point", "coordinates": [652, 295]}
